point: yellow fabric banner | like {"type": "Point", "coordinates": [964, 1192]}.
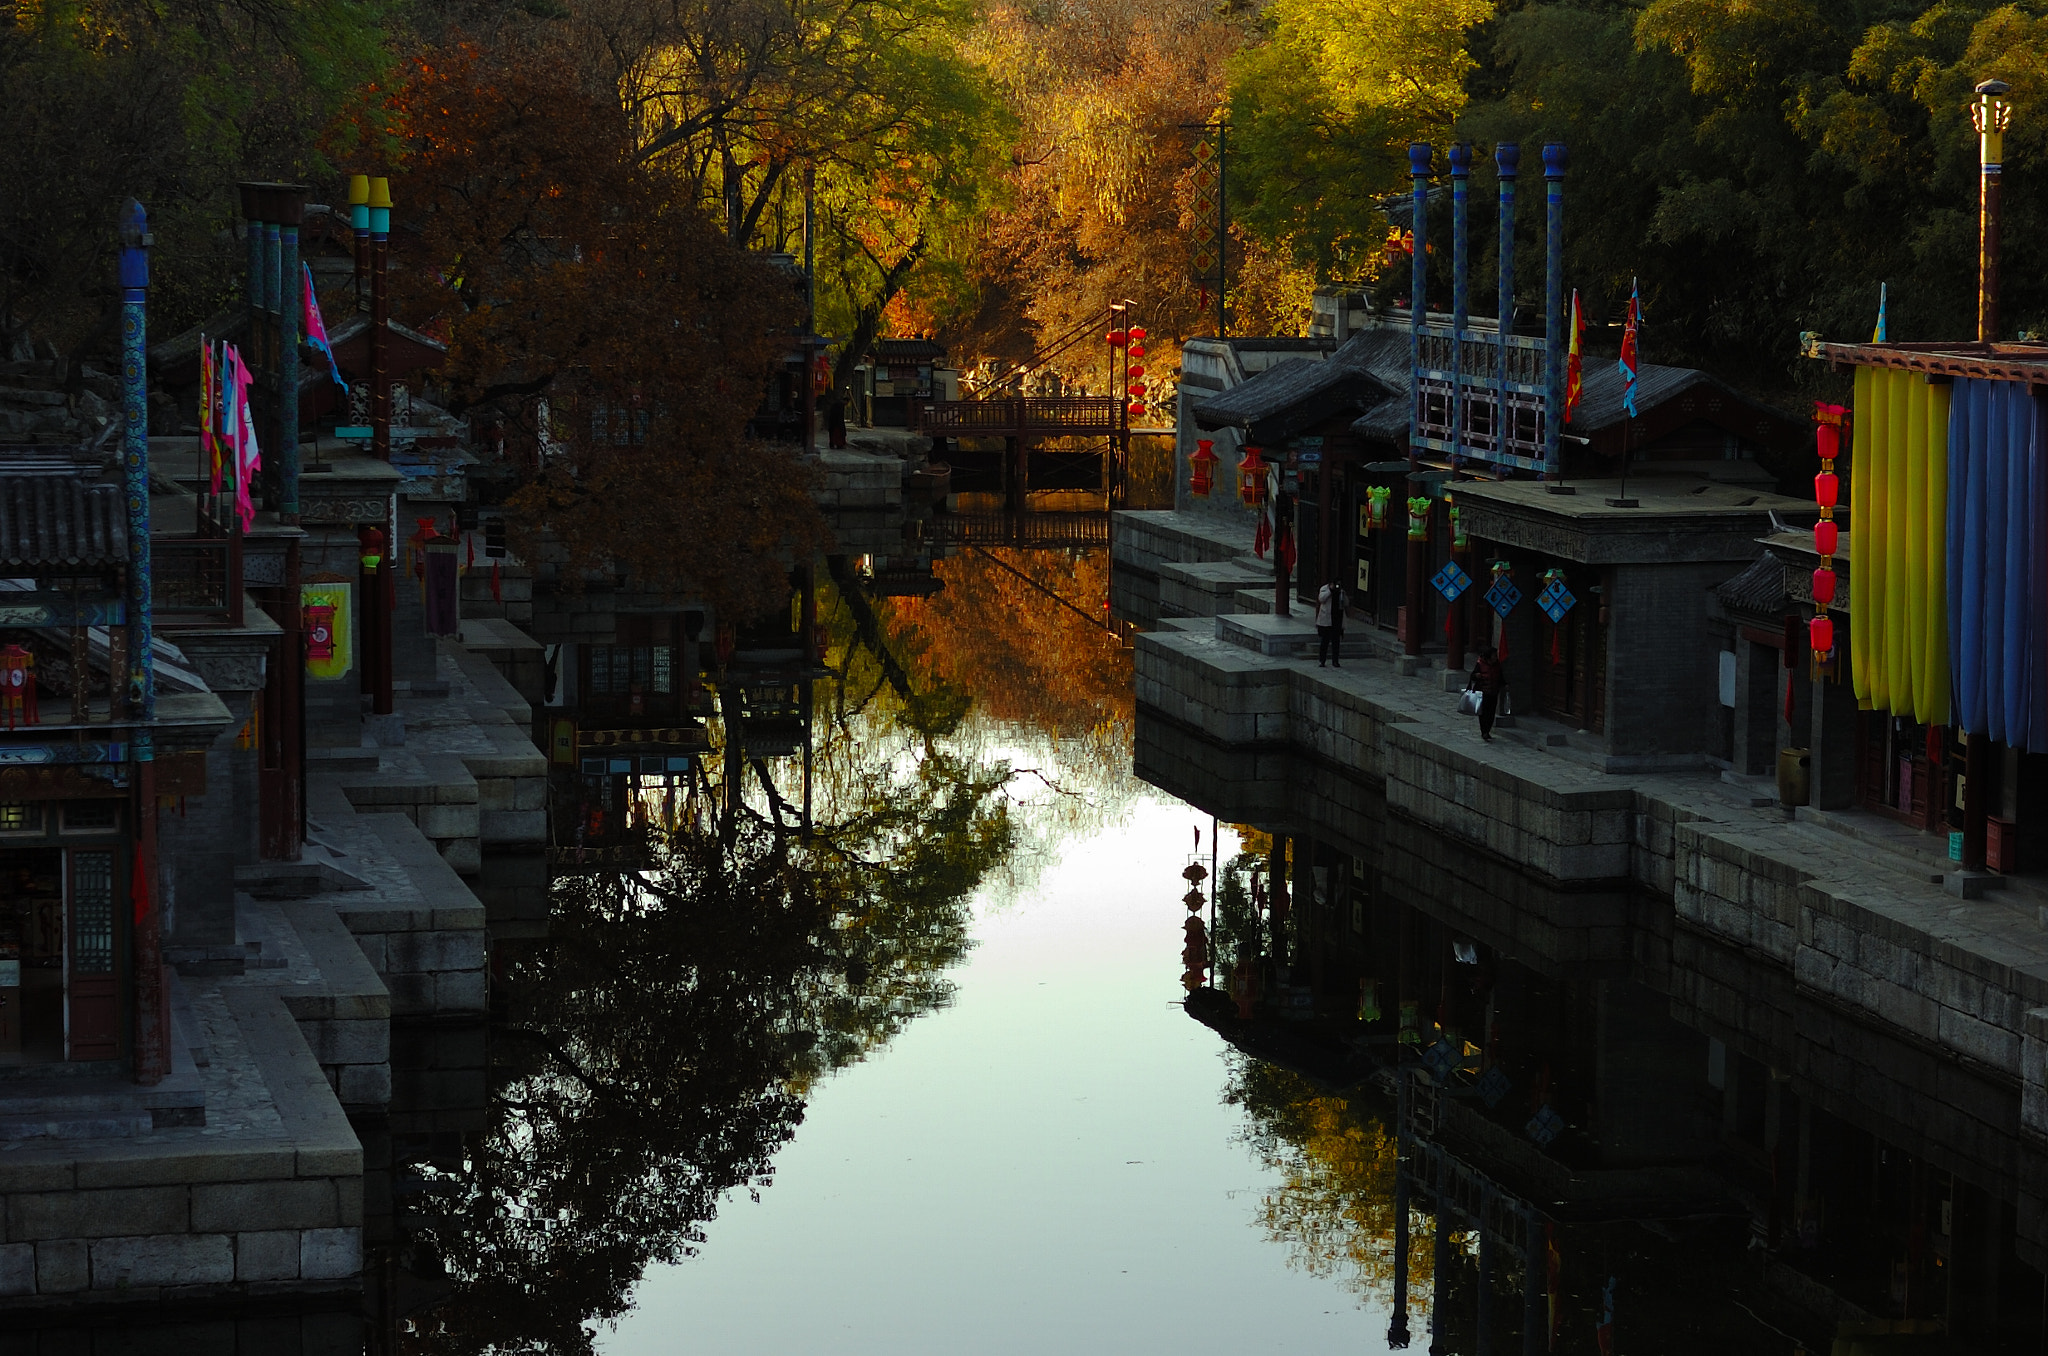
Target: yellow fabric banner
{"type": "Point", "coordinates": [1898, 578]}
{"type": "Point", "coordinates": [329, 627]}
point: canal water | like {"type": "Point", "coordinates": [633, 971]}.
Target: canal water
{"type": "Point", "coordinates": [871, 1035]}
{"type": "Point", "coordinates": [1047, 1163]}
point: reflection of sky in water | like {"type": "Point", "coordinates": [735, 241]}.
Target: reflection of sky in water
{"type": "Point", "coordinates": [1045, 1165]}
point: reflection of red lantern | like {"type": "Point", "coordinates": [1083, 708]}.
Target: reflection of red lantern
{"type": "Point", "coordinates": [723, 646]}
{"type": "Point", "coordinates": [18, 686]}
{"type": "Point", "coordinates": [1202, 466]}
{"type": "Point", "coordinates": [1137, 390]}
{"type": "Point", "coordinates": [1137, 334]}
{"type": "Point", "coordinates": [1137, 374]}
{"type": "Point", "coordinates": [1136, 409]}
{"type": "Point", "coordinates": [1115, 338]}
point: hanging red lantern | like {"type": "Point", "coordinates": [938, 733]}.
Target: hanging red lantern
{"type": "Point", "coordinates": [1137, 350]}
{"type": "Point", "coordinates": [1251, 478]}
{"type": "Point", "coordinates": [1820, 635]}
{"type": "Point", "coordinates": [1826, 536]}
{"type": "Point", "coordinates": [1137, 333]}
{"type": "Point", "coordinates": [1827, 489]}
{"type": "Point", "coordinates": [18, 686]}
{"type": "Point", "coordinates": [1136, 409]}
{"type": "Point", "coordinates": [1115, 338]}
{"type": "Point", "coordinates": [1823, 586]}
{"type": "Point", "coordinates": [1202, 467]}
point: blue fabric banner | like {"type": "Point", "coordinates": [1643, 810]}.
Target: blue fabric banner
{"type": "Point", "coordinates": [1998, 561]}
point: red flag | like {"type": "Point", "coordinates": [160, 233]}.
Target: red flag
{"type": "Point", "coordinates": [1574, 361]}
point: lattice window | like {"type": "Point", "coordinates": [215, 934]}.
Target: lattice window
{"type": "Point", "coordinates": [20, 817]}
{"type": "Point", "coordinates": [92, 913]}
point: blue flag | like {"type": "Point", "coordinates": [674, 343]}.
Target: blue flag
{"type": "Point", "coordinates": [1877, 336]}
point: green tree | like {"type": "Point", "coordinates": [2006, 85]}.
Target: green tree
{"type": "Point", "coordinates": [1323, 110]}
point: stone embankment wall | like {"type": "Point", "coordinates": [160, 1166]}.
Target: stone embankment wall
{"type": "Point", "coordinates": [1836, 910]}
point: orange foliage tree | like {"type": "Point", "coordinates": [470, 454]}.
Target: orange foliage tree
{"type": "Point", "coordinates": [594, 302]}
{"type": "Point", "coordinates": [1018, 630]}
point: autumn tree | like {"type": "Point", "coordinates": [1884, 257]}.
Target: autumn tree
{"type": "Point", "coordinates": [591, 296]}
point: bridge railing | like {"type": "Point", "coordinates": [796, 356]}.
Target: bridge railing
{"type": "Point", "coordinates": [1051, 416]}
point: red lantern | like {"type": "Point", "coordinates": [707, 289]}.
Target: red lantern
{"type": "Point", "coordinates": [18, 686]}
{"type": "Point", "coordinates": [1137, 389]}
{"type": "Point", "coordinates": [1251, 478]}
{"type": "Point", "coordinates": [1137, 350]}
{"type": "Point", "coordinates": [1137, 333]}
{"type": "Point", "coordinates": [1137, 373]}
{"type": "Point", "coordinates": [1823, 586]}
{"type": "Point", "coordinates": [1136, 409]}
{"type": "Point", "coordinates": [1826, 536]}
{"type": "Point", "coordinates": [1820, 635]}
{"type": "Point", "coordinates": [1202, 466]}
{"type": "Point", "coordinates": [1827, 489]}
{"type": "Point", "coordinates": [1115, 338]}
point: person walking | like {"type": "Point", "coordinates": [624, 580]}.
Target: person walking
{"type": "Point", "coordinates": [1489, 681]}
{"type": "Point", "coordinates": [1330, 624]}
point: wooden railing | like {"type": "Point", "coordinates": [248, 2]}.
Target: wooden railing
{"type": "Point", "coordinates": [1018, 417]}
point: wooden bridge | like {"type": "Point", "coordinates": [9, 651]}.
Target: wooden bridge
{"type": "Point", "coordinates": [1021, 417]}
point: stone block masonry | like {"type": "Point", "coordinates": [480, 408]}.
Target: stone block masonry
{"type": "Point", "coordinates": [1844, 917]}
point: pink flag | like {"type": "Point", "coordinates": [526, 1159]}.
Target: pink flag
{"type": "Point", "coordinates": [242, 424]}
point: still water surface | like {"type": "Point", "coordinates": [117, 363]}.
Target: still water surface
{"type": "Point", "coordinates": [1047, 1163]}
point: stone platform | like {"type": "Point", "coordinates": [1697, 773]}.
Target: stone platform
{"type": "Point", "coordinates": [242, 1175]}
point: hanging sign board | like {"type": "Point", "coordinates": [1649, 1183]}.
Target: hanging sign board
{"type": "Point", "coordinates": [329, 626]}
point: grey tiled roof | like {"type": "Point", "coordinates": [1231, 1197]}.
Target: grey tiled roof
{"type": "Point", "coordinates": [1364, 373]}
{"type": "Point", "coordinates": [1760, 588]}
{"type": "Point", "coordinates": [53, 520]}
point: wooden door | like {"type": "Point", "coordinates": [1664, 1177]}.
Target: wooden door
{"type": "Point", "coordinates": [93, 1022]}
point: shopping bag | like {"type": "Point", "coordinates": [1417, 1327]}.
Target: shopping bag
{"type": "Point", "coordinates": [1468, 702]}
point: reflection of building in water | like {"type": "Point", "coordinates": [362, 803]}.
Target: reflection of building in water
{"type": "Point", "coordinates": [627, 717]}
{"type": "Point", "coordinates": [1665, 1107]}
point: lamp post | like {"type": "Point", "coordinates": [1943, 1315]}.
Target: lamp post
{"type": "Point", "coordinates": [1991, 115]}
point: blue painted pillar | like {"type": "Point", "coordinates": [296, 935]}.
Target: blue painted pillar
{"type": "Point", "coordinates": [1507, 162]}
{"type": "Point", "coordinates": [134, 279]}
{"type": "Point", "coordinates": [1461, 288]}
{"type": "Point", "coordinates": [151, 996]}
{"type": "Point", "coordinates": [1554, 318]}
{"type": "Point", "coordinates": [1418, 294]}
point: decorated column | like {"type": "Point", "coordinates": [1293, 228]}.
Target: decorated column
{"type": "Point", "coordinates": [1554, 319]}
{"type": "Point", "coordinates": [152, 1011]}
{"type": "Point", "coordinates": [1461, 289]}
{"type": "Point", "coordinates": [1418, 312]}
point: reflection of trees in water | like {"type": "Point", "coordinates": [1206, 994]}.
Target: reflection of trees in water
{"type": "Point", "coordinates": [653, 1054]}
{"type": "Point", "coordinates": [1334, 1206]}
{"type": "Point", "coordinates": [655, 1050]}
{"type": "Point", "coordinates": [1051, 685]}
{"type": "Point", "coordinates": [639, 1074]}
